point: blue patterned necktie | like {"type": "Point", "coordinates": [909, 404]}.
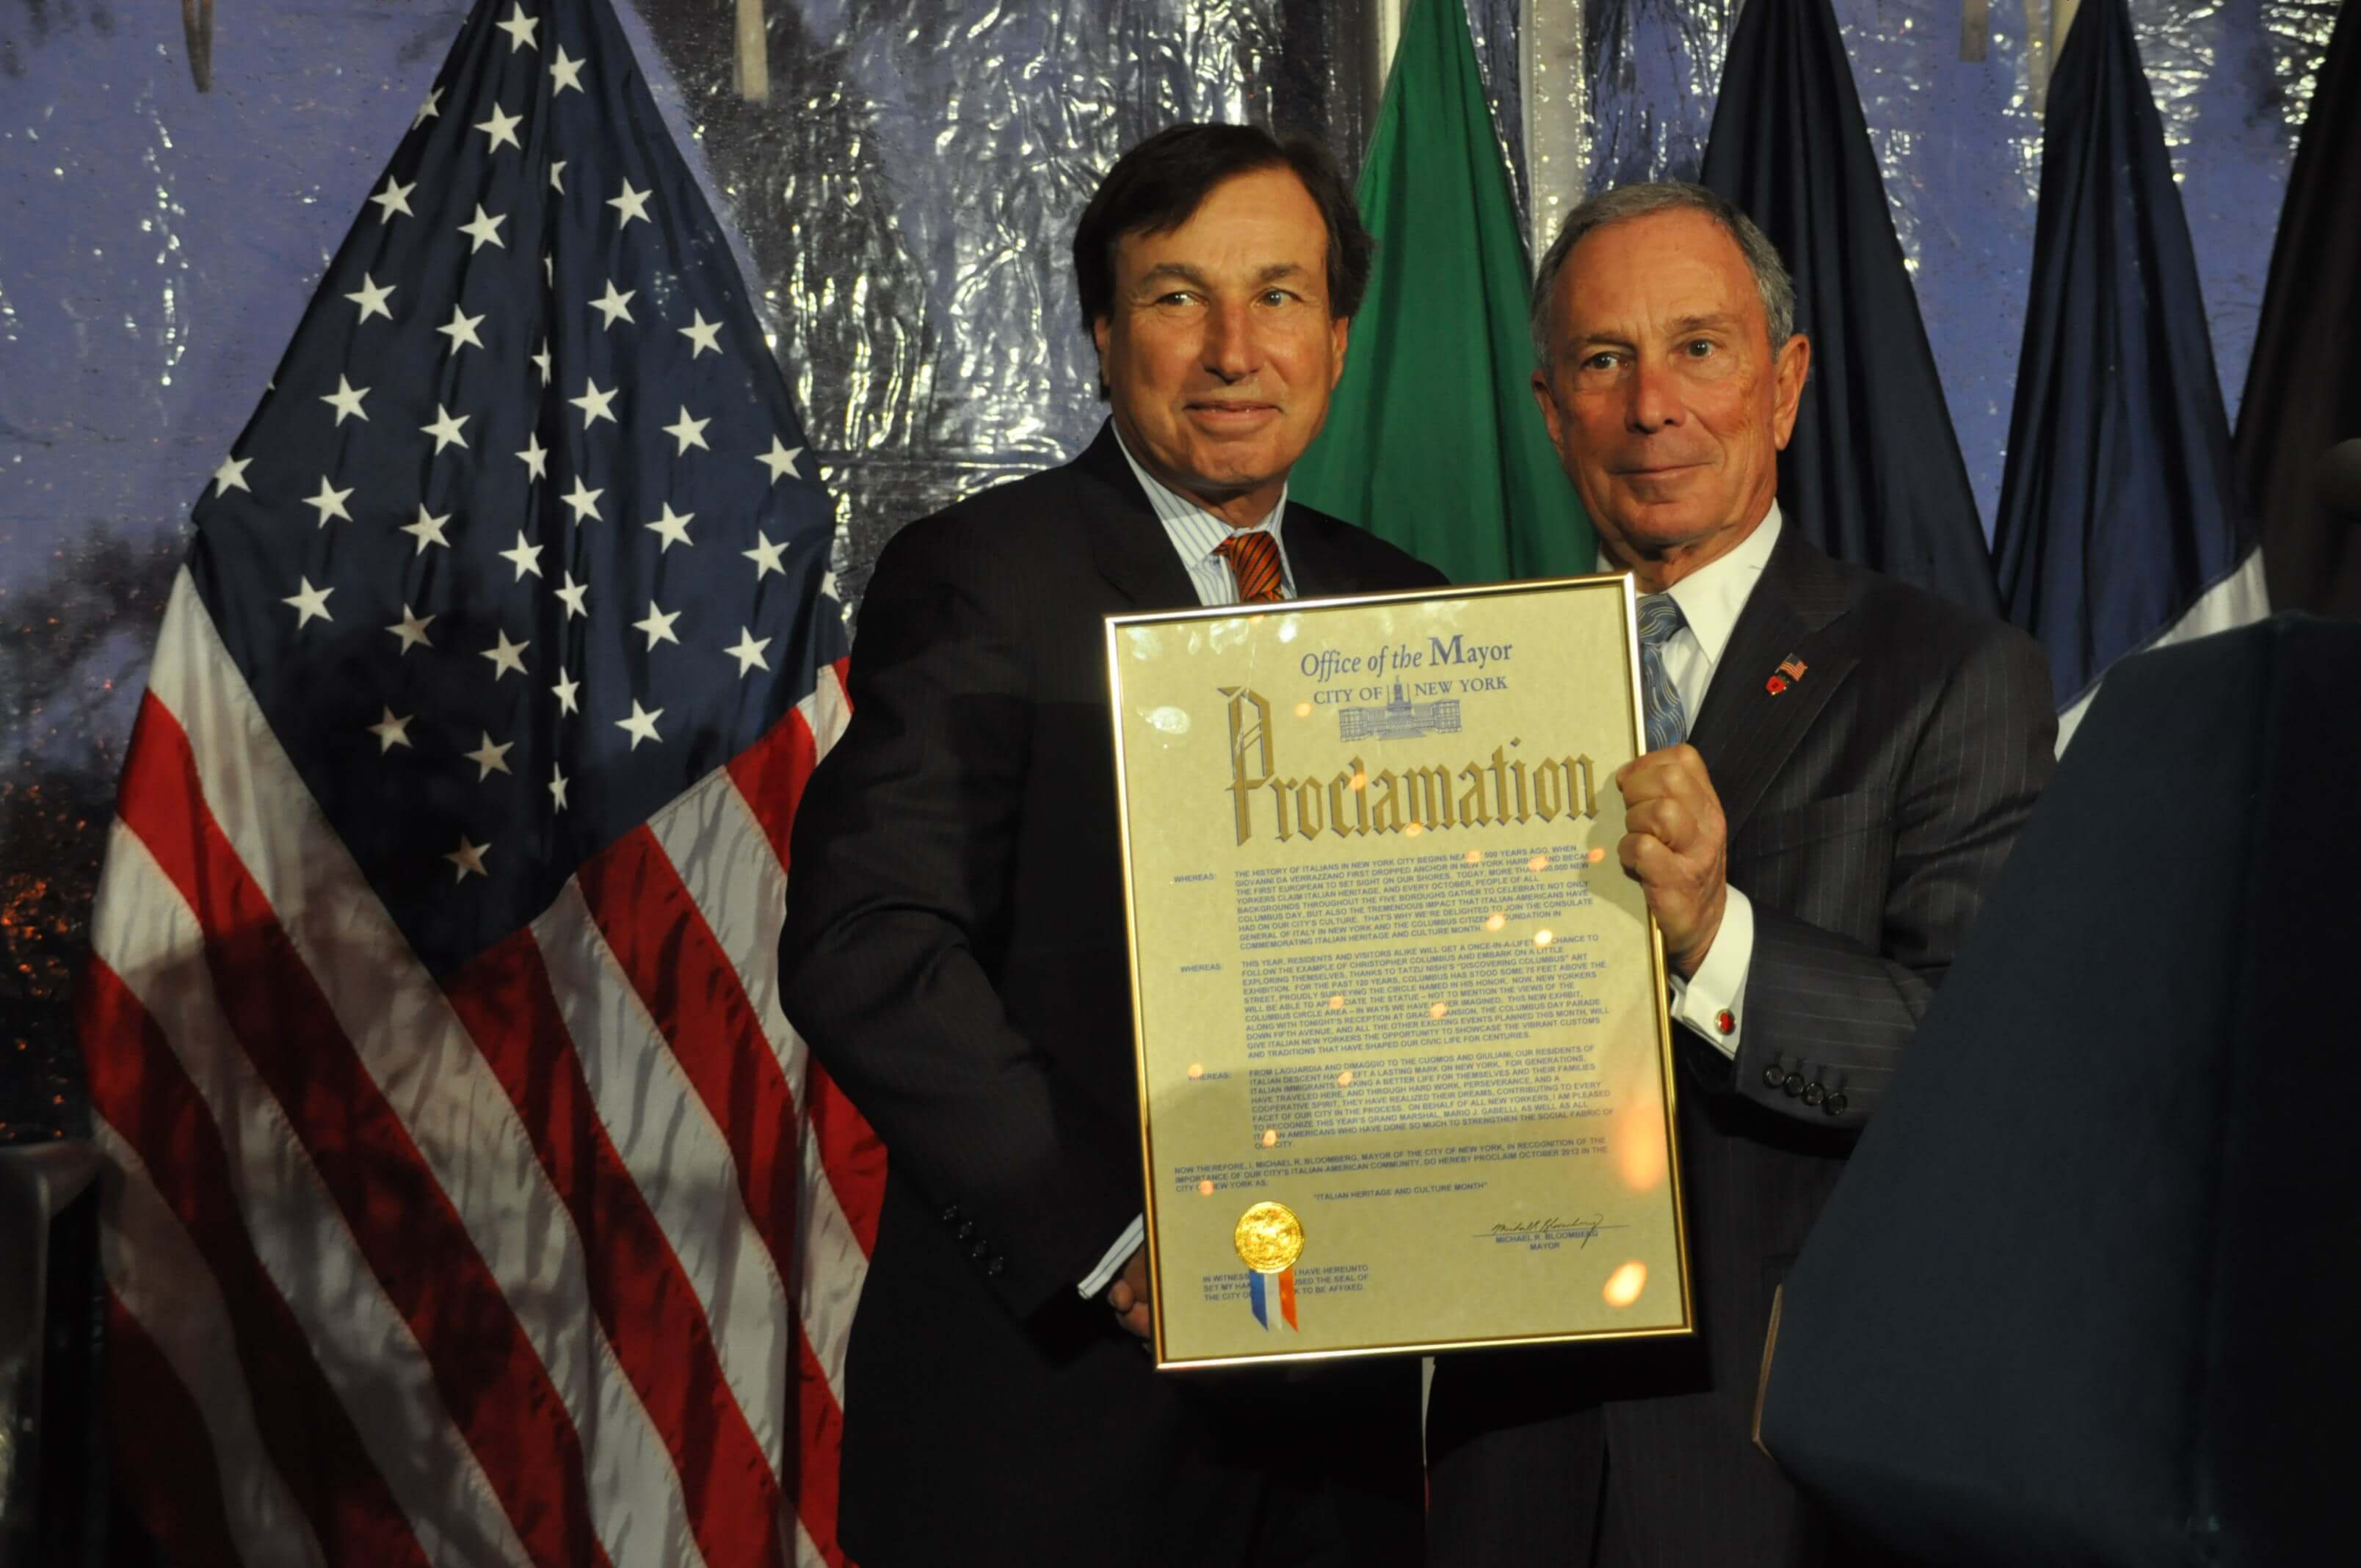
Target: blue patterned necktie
{"type": "Point", "coordinates": [1660, 618]}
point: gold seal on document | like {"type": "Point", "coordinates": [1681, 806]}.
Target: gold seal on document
{"type": "Point", "coordinates": [1269, 1238]}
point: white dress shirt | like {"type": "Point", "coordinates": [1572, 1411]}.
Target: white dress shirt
{"type": "Point", "coordinates": [1710, 599]}
{"type": "Point", "coordinates": [1197, 536]}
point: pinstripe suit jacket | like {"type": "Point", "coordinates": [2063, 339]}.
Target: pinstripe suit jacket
{"type": "Point", "coordinates": [954, 954]}
{"type": "Point", "coordinates": [1870, 805]}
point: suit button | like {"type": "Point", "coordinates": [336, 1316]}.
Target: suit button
{"type": "Point", "coordinates": [979, 1252]}
{"type": "Point", "coordinates": [966, 1228]}
{"type": "Point", "coordinates": [1814, 1094]}
{"type": "Point", "coordinates": [1774, 1076]}
{"type": "Point", "coordinates": [951, 1214]}
{"type": "Point", "coordinates": [995, 1266]}
{"type": "Point", "coordinates": [1793, 1084]}
{"type": "Point", "coordinates": [1834, 1104]}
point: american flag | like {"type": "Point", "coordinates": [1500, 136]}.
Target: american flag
{"type": "Point", "coordinates": [469, 1199]}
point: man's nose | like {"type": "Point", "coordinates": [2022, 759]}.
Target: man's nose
{"type": "Point", "coordinates": [1231, 349]}
{"type": "Point", "coordinates": [1655, 397]}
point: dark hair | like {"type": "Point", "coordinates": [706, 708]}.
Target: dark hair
{"type": "Point", "coordinates": [1159, 184]}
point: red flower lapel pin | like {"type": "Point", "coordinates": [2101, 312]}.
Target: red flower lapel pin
{"type": "Point", "coordinates": [1791, 670]}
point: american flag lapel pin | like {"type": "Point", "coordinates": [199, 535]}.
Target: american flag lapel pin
{"type": "Point", "coordinates": [1791, 670]}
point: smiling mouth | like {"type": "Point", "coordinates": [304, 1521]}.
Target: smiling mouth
{"type": "Point", "coordinates": [1657, 472]}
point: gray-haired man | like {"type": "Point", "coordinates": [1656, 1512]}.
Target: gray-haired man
{"type": "Point", "coordinates": [1840, 765]}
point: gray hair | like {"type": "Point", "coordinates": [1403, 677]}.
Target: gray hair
{"type": "Point", "coordinates": [1625, 202]}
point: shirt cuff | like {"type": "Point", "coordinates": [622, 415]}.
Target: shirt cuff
{"type": "Point", "coordinates": [1135, 1235]}
{"type": "Point", "coordinates": [1712, 1002]}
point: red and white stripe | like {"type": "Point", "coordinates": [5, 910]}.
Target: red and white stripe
{"type": "Point", "coordinates": [550, 1263]}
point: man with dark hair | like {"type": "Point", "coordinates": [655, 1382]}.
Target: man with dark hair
{"type": "Point", "coordinates": [954, 951]}
{"type": "Point", "coordinates": [1838, 766]}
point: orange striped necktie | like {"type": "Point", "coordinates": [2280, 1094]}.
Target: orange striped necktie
{"type": "Point", "coordinates": [1254, 566]}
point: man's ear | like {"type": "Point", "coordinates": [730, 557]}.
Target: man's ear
{"type": "Point", "coordinates": [1790, 368]}
{"type": "Point", "coordinates": [1099, 329]}
{"type": "Point", "coordinates": [1340, 328]}
{"type": "Point", "coordinates": [1547, 398]}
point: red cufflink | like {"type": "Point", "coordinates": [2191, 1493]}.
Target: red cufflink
{"type": "Point", "coordinates": [1725, 1022]}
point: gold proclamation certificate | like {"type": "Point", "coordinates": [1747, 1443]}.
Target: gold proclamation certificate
{"type": "Point", "coordinates": [1403, 1050]}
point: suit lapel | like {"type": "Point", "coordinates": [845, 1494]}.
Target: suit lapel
{"type": "Point", "coordinates": [1128, 544]}
{"type": "Point", "coordinates": [1744, 730]}
{"type": "Point", "coordinates": [1315, 555]}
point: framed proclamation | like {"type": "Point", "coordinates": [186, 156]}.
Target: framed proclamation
{"type": "Point", "coordinates": [1404, 1056]}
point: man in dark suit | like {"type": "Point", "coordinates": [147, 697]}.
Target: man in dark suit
{"type": "Point", "coordinates": [954, 948]}
{"type": "Point", "coordinates": [1839, 766]}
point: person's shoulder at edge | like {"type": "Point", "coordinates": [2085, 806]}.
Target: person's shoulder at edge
{"type": "Point", "coordinates": [1372, 553]}
{"type": "Point", "coordinates": [1002, 531]}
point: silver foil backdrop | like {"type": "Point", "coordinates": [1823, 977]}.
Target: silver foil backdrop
{"type": "Point", "coordinates": [904, 198]}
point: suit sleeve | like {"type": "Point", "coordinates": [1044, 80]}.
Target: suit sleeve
{"type": "Point", "coordinates": [899, 878]}
{"type": "Point", "coordinates": [1825, 1014]}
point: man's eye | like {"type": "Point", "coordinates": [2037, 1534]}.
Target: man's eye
{"type": "Point", "coordinates": [1602, 360]}
{"type": "Point", "coordinates": [1276, 296]}
{"type": "Point", "coordinates": [1699, 348]}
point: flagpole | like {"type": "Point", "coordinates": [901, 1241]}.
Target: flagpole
{"type": "Point", "coordinates": [1558, 116]}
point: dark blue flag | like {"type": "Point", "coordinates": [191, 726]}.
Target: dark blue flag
{"type": "Point", "coordinates": [2303, 385]}
{"type": "Point", "coordinates": [1874, 473]}
{"type": "Point", "coordinates": [2119, 525]}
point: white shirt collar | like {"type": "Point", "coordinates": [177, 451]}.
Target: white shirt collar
{"type": "Point", "coordinates": [1712, 596]}
{"type": "Point", "coordinates": [1197, 533]}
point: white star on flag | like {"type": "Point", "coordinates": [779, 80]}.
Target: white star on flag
{"type": "Point", "coordinates": [584, 500]}
{"type": "Point", "coordinates": [347, 401]}
{"type": "Point", "coordinates": [540, 362]}
{"type": "Point", "coordinates": [563, 692]}
{"type": "Point", "coordinates": [461, 330]}
{"type": "Point", "coordinates": [535, 455]}
{"type": "Point", "coordinates": [411, 630]}
{"type": "Point", "coordinates": [427, 529]}
{"type": "Point", "coordinates": [468, 858]}
{"type": "Point", "coordinates": [672, 528]}
{"type": "Point", "coordinates": [519, 27]}
{"type": "Point", "coordinates": [506, 656]}
{"type": "Point", "coordinates": [571, 597]}
{"type": "Point", "coordinates": [703, 335]}
{"type": "Point", "coordinates": [641, 725]}
{"type": "Point", "coordinates": [330, 502]}
{"type": "Point", "coordinates": [231, 476]}
{"type": "Point", "coordinates": [688, 432]}
{"type": "Point", "coordinates": [394, 198]}
{"type": "Point", "coordinates": [490, 759]}
{"type": "Point", "coordinates": [392, 731]}
{"type": "Point", "coordinates": [524, 555]}
{"type": "Point", "coordinates": [371, 298]}
{"type": "Point", "coordinates": [557, 175]}
{"type": "Point", "coordinates": [565, 72]}
{"type": "Point", "coordinates": [749, 652]}
{"type": "Point", "coordinates": [780, 459]}
{"type": "Point", "coordinates": [557, 782]}
{"type": "Point", "coordinates": [765, 556]}
{"type": "Point", "coordinates": [656, 626]}
{"type": "Point", "coordinates": [631, 205]}
{"type": "Point", "coordinates": [428, 110]}
{"type": "Point", "coordinates": [615, 304]}
{"type": "Point", "coordinates": [501, 129]}
{"type": "Point", "coordinates": [485, 230]}
{"type": "Point", "coordinates": [310, 604]}
{"type": "Point", "coordinates": [594, 404]}
{"type": "Point", "coordinates": [445, 429]}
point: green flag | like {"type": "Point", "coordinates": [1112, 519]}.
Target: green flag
{"type": "Point", "coordinates": [1433, 440]}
